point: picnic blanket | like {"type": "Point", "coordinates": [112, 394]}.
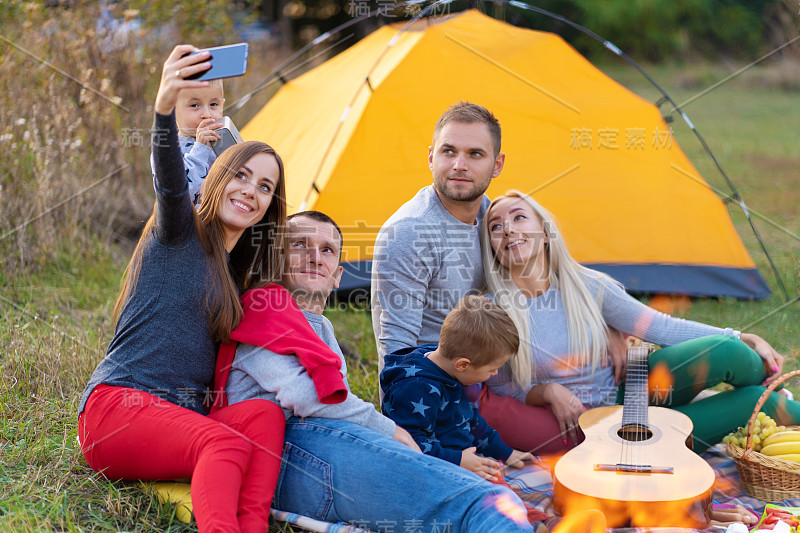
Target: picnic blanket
{"type": "Point", "coordinates": [534, 486]}
{"type": "Point", "coordinates": [311, 524]}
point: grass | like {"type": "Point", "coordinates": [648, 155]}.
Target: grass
{"type": "Point", "coordinates": [54, 325]}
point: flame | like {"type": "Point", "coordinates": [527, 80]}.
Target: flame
{"type": "Point", "coordinates": [588, 521]}
{"type": "Point", "coordinates": [581, 515]}
{"type": "Point", "coordinates": [643, 323]}
{"type": "Point", "coordinates": [782, 415]}
{"type": "Point", "coordinates": [670, 303]}
{"type": "Point", "coordinates": [700, 373]}
{"type": "Point", "coordinates": [548, 461]}
{"type": "Point", "coordinates": [570, 364]}
{"type": "Point", "coordinates": [659, 383]}
{"type": "Point", "coordinates": [726, 486]}
{"type": "Point", "coordinates": [584, 513]}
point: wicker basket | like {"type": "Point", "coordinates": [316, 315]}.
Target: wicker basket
{"type": "Point", "coordinates": [767, 478]}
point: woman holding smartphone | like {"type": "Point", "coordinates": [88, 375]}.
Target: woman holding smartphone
{"type": "Point", "coordinates": [142, 414]}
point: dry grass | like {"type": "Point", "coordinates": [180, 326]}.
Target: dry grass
{"type": "Point", "coordinates": [75, 188]}
{"type": "Point", "coordinates": [74, 129]}
{"type": "Point", "coordinates": [61, 136]}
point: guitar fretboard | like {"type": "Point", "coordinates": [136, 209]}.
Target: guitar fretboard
{"type": "Point", "coordinates": [634, 410]}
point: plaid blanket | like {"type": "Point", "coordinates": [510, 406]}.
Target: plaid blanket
{"type": "Point", "coordinates": [535, 487]}
{"type": "Point", "coordinates": [311, 524]}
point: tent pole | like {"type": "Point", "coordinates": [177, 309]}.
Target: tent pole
{"type": "Point", "coordinates": [279, 72]}
{"type": "Point", "coordinates": [611, 46]}
{"type": "Point", "coordinates": [291, 59]}
{"type": "Point", "coordinates": [346, 112]}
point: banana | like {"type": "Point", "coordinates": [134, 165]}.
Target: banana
{"type": "Point", "coordinates": [783, 436]}
{"type": "Point", "coordinates": [789, 457]}
{"type": "Point", "coordinates": [781, 448]}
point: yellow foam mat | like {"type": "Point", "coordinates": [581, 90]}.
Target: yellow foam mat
{"type": "Point", "coordinates": [173, 492]}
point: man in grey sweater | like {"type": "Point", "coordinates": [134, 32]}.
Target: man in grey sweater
{"type": "Point", "coordinates": [427, 255]}
{"type": "Point", "coordinates": [347, 462]}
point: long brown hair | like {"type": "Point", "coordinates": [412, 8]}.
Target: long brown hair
{"type": "Point", "coordinates": [255, 261]}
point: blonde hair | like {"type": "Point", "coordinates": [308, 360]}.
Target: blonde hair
{"type": "Point", "coordinates": [479, 330]}
{"type": "Point", "coordinates": [586, 328]}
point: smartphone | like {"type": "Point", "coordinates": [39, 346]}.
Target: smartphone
{"type": "Point", "coordinates": [226, 62]}
{"type": "Point", "coordinates": [229, 133]}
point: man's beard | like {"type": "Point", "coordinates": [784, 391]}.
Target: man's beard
{"type": "Point", "coordinates": [459, 195]}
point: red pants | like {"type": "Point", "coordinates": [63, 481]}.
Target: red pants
{"type": "Point", "coordinates": [523, 427]}
{"type": "Point", "coordinates": [233, 456]}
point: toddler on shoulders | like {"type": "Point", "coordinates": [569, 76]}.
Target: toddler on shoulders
{"type": "Point", "coordinates": [196, 113]}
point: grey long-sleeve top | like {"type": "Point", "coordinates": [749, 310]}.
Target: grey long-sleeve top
{"type": "Point", "coordinates": [162, 343]}
{"type": "Point", "coordinates": [261, 373]}
{"type": "Point", "coordinates": [425, 261]}
{"type": "Point", "coordinates": [549, 342]}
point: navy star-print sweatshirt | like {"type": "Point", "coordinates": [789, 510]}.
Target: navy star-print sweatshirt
{"type": "Point", "coordinates": [432, 406]}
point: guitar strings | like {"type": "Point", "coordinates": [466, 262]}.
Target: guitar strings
{"type": "Point", "coordinates": [636, 399]}
{"type": "Point", "coordinates": [643, 400]}
{"type": "Point", "coordinates": [641, 404]}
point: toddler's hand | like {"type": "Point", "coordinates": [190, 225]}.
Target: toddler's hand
{"type": "Point", "coordinates": [205, 131]}
{"type": "Point", "coordinates": [486, 468]}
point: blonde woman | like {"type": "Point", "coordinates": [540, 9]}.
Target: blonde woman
{"type": "Point", "coordinates": [566, 315]}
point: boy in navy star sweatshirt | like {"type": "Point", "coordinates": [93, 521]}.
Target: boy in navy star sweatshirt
{"type": "Point", "coordinates": [424, 387]}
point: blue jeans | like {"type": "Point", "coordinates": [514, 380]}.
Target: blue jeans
{"type": "Point", "coordinates": [336, 470]}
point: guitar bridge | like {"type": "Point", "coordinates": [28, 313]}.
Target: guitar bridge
{"type": "Point", "coordinates": [634, 469]}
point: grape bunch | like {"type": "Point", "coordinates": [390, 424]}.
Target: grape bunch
{"type": "Point", "coordinates": [763, 428]}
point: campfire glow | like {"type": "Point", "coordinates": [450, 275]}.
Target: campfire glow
{"type": "Point", "coordinates": [590, 521]}
{"type": "Point", "coordinates": [681, 513]}
{"type": "Point", "coordinates": [659, 384]}
{"type": "Point", "coordinates": [507, 506]}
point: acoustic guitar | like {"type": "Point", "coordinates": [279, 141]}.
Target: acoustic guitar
{"type": "Point", "coordinates": [635, 465]}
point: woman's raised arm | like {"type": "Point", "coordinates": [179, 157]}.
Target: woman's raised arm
{"type": "Point", "coordinates": [178, 65]}
{"type": "Point", "coordinates": [174, 208]}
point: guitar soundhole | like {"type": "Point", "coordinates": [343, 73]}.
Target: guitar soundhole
{"type": "Point", "coordinates": [635, 433]}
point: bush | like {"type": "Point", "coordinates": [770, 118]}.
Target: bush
{"type": "Point", "coordinates": [657, 30]}
{"type": "Point", "coordinates": [66, 94]}
{"type": "Point", "coordinates": [77, 82]}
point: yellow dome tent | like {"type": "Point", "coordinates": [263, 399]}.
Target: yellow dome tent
{"type": "Point", "coordinates": [354, 134]}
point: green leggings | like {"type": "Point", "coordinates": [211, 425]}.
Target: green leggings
{"type": "Point", "coordinates": [705, 362]}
